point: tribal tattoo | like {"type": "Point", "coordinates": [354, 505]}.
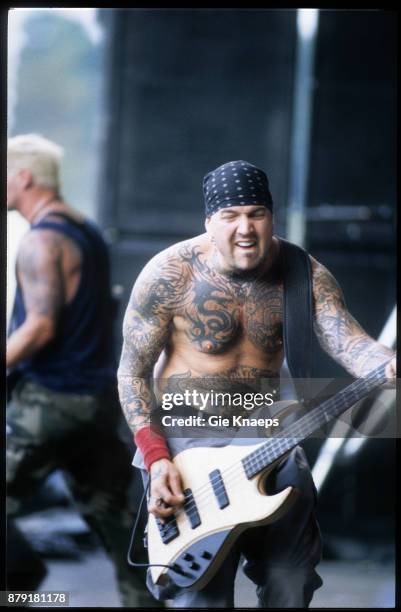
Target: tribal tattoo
{"type": "Point", "coordinates": [238, 380]}
{"type": "Point", "coordinates": [216, 310]}
{"type": "Point", "coordinates": [339, 334]}
{"type": "Point", "coordinates": [40, 273]}
{"type": "Point", "coordinates": [222, 305]}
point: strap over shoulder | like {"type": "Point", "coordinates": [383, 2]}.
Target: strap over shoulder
{"type": "Point", "coordinates": [298, 313]}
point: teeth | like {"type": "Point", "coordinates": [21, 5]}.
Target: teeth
{"type": "Point", "coordinates": [245, 244]}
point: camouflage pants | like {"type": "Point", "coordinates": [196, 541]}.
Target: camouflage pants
{"type": "Point", "coordinates": [77, 434]}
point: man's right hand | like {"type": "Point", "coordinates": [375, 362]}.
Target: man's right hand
{"type": "Point", "coordinates": [165, 488]}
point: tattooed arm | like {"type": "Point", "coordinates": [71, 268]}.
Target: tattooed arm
{"type": "Point", "coordinates": [146, 330]}
{"type": "Point", "coordinates": [40, 275]}
{"type": "Point", "coordinates": [339, 334]}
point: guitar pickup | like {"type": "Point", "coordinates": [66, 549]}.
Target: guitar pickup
{"type": "Point", "coordinates": [168, 530]}
{"type": "Point", "coordinates": [219, 489]}
{"type": "Point", "coordinates": [191, 509]}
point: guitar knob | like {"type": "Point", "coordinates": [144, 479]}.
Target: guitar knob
{"type": "Point", "coordinates": [206, 554]}
{"type": "Point", "coordinates": [187, 557]}
{"type": "Point", "coordinates": [194, 566]}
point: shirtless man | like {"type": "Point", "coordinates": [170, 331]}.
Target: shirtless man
{"type": "Point", "coordinates": [213, 306]}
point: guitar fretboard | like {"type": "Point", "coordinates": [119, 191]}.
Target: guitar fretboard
{"type": "Point", "coordinates": [312, 421]}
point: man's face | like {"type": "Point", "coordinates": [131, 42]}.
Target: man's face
{"type": "Point", "coordinates": [18, 182]}
{"type": "Point", "coordinates": [13, 188]}
{"type": "Point", "coordinates": [242, 235]}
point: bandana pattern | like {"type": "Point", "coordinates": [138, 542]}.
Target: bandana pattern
{"type": "Point", "coordinates": [236, 183]}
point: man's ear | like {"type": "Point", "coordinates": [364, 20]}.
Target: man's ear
{"type": "Point", "coordinates": [25, 178]}
{"type": "Point", "coordinates": [207, 223]}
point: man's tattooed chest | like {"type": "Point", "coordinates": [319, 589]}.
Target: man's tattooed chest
{"type": "Point", "coordinates": [219, 316]}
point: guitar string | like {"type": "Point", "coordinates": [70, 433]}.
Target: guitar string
{"type": "Point", "coordinates": [316, 412]}
{"type": "Point", "coordinates": [198, 503]}
{"type": "Point", "coordinates": [258, 456]}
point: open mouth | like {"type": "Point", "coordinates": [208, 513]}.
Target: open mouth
{"type": "Point", "coordinates": [246, 245]}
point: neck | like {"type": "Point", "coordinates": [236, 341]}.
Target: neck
{"type": "Point", "coordinates": [40, 208]}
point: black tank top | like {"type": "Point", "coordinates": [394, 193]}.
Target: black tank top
{"type": "Point", "coordinates": [80, 359]}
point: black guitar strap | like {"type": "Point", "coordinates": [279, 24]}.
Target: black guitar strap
{"type": "Point", "coordinates": [298, 315]}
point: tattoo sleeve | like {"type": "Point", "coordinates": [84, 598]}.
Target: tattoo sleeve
{"type": "Point", "coordinates": [339, 334]}
{"type": "Point", "coordinates": [40, 274]}
{"type": "Point", "coordinates": [146, 330]}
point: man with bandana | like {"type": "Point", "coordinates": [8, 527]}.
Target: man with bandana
{"type": "Point", "coordinates": [209, 310]}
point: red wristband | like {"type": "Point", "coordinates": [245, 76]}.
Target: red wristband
{"type": "Point", "coordinates": [152, 446]}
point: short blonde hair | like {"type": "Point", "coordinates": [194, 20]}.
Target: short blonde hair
{"type": "Point", "coordinates": [39, 155]}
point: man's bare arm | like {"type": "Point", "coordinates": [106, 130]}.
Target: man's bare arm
{"type": "Point", "coordinates": [146, 330]}
{"type": "Point", "coordinates": [339, 334]}
{"type": "Point", "coordinates": [40, 276]}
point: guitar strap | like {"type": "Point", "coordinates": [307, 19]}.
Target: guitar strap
{"type": "Point", "coordinates": [298, 315]}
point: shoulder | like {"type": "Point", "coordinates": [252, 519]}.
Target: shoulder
{"type": "Point", "coordinates": [173, 262]}
{"type": "Point", "coordinates": [162, 287]}
{"type": "Point", "coordinates": [39, 245]}
{"type": "Point", "coordinates": [321, 274]}
{"type": "Point", "coordinates": [326, 289]}
{"type": "Point", "coordinates": [317, 267]}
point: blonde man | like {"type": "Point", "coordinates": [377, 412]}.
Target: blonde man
{"type": "Point", "coordinates": [63, 412]}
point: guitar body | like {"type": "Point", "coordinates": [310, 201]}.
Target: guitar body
{"type": "Point", "coordinates": [198, 551]}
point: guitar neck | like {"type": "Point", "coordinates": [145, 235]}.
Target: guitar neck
{"type": "Point", "coordinates": [319, 416]}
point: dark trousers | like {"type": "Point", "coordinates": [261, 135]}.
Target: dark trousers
{"type": "Point", "coordinates": [77, 434]}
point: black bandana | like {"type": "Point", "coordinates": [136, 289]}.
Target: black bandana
{"type": "Point", "coordinates": [236, 183]}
